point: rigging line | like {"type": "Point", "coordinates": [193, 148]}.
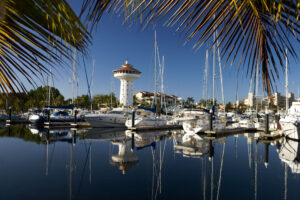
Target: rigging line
{"type": "Point", "coordinates": [212, 179]}
{"type": "Point", "coordinates": [153, 172]}
{"type": "Point", "coordinates": [52, 155]}
{"type": "Point", "coordinates": [74, 76]}
{"type": "Point", "coordinates": [204, 180]}
{"type": "Point", "coordinates": [255, 174]}
{"type": "Point", "coordinates": [161, 164]}
{"type": "Point", "coordinates": [81, 178]}
{"type": "Point", "coordinates": [221, 168]}
{"type": "Point", "coordinates": [87, 79]}
{"type": "Point", "coordinates": [285, 181]}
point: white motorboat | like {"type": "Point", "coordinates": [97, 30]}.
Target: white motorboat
{"type": "Point", "coordinates": [290, 154]}
{"type": "Point", "coordinates": [144, 118]}
{"type": "Point", "coordinates": [290, 124]}
{"type": "Point", "coordinates": [114, 118]}
{"type": "Point", "coordinates": [195, 121]}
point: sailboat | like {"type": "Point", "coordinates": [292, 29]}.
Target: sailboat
{"type": "Point", "coordinates": [290, 124]}
{"type": "Point", "coordinates": [147, 117]}
{"type": "Point", "coordinates": [195, 121]}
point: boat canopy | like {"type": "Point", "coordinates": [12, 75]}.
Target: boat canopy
{"type": "Point", "coordinates": [71, 107]}
{"type": "Point", "coordinates": [148, 109]}
{"type": "Point", "coordinates": [61, 113]}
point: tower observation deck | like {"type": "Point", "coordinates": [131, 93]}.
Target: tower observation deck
{"type": "Point", "coordinates": [127, 74]}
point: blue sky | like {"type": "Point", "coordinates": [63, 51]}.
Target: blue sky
{"type": "Point", "coordinates": [114, 42]}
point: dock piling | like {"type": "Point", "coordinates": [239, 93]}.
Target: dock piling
{"type": "Point", "coordinates": [48, 135]}
{"type": "Point", "coordinates": [267, 124]}
{"type": "Point", "coordinates": [277, 119]}
{"type": "Point", "coordinates": [133, 118]}
{"type": "Point", "coordinates": [132, 141]}
{"type": "Point", "coordinates": [267, 154]}
{"type": "Point", "coordinates": [48, 115]}
{"type": "Point", "coordinates": [75, 116]}
{"type": "Point", "coordinates": [74, 137]}
{"type": "Point", "coordinates": [210, 121]}
{"type": "Point", "coordinates": [9, 113]}
{"type": "Point", "coordinates": [211, 149]}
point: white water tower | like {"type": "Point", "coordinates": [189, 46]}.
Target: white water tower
{"type": "Point", "coordinates": [127, 74]}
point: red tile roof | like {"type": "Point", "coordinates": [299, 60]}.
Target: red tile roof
{"type": "Point", "coordinates": [127, 67]}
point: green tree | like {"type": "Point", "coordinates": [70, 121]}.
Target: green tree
{"type": "Point", "coordinates": [189, 103]}
{"type": "Point", "coordinates": [202, 102]}
{"type": "Point", "coordinates": [38, 98]}
{"type": "Point", "coordinates": [105, 100]}
{"type": "Point", "coordinates": [241, 108]}
{"type": "Point", "coordinates": [228, 106]}
{"type": "Point", "coordinates": [82, 101]}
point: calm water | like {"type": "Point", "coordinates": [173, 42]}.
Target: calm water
{"type": "Point", "coordinates": [105, 164]}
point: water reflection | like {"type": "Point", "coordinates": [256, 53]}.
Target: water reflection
{"type": "Point", "coordinates": [192, 145]}
{"type": "Point", "coordinates": [125, 158]}
{"type": "Point", "coordinates": [150, 165]}
{"type": "Point", "coordinates": [289, 153]}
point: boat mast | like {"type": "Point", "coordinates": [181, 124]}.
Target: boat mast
{"type": "Point", "coordinates": [256, 87]}
{"type": "Point", "coordinates": [48, 90]}
{"type": "Point", "coordinates": [286, 82]}
{"type": "Point", "coordinates": [206, 77]}
{"type": "Point", "coordinates": [221, 74]}
{"type": "Point", "coordinates": [214, 73]}
{"type": "Point", "coordinates": [236, 96]}
{"type": "Point", "coordinates": [92, 84]}
{"type": "Point", "coordinates": [155, 78]}
{"type": "Point", "coordinates": [74, 76]}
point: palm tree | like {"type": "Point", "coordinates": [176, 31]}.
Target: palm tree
{"type": "Point", "coordinates": [251, 32]}
{"type": "Point", "coordinates": [36, 34]}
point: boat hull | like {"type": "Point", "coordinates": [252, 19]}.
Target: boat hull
{"type": "Point", "coordinates": [149, 122]}
{"type": "Point", "coordinates": [98, 122]}
{"type": "Point", "coordinates": [291, 130]}
{"type": "Point", "coordinates": [196, 126]}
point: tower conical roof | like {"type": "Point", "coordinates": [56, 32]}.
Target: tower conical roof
{"type": "Point", "coordinates": [127, 68]}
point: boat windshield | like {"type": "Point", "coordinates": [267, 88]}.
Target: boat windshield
{"type": "Point", "coordinates": [116, 112]}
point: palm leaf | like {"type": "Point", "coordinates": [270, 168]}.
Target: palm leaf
{"type": "Point", "coordinates": [256, 31]}
{"type": "Point", "coordinates": [36, 34]}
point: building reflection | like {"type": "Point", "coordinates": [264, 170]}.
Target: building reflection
{"type": "Point", "coordinates": [125, 158]}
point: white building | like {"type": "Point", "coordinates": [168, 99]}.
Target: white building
{"type": "Point", "coordinates": [127, 74]}
{"type": "Point", "coordinates": [249, 101]}
{"type": "Point", "coordinates": [144, 97]}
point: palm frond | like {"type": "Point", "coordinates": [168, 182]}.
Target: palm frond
{"type": "Point", "coordinates": [35, 34]}
{"type": "Point", "coordinates": [256, 31]}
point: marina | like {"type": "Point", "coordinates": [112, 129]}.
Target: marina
{"type": "Point", "coordinates": [151, 100]}
{"type": "Point", "coordinates": [169, 164]}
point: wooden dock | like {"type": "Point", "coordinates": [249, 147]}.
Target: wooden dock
{"type": "Point", "coordinates": [228, 131]}
{"type": "Point", "coordinates": [273, 136]}
{"type": "Point", "coordinates": [16, 121]}
{"type": "Point", "coordinates": [67, 124]}
{"type": "Point", "coordinates": [144, 128]}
